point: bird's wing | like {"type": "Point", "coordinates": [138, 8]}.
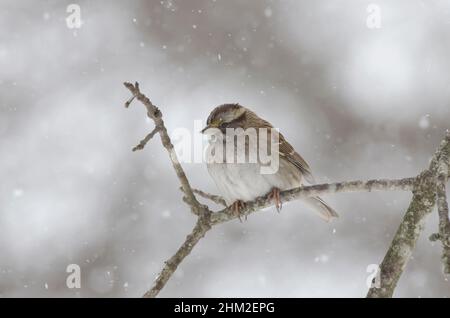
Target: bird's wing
{"type": "Point", "coordinates": [288, 152]}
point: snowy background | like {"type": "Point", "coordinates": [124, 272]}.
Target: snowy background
{"type": "Point", "coordinates": [356, 102]}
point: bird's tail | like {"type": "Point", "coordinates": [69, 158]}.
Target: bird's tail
{"type": "Point", "coordinates": [324, 210]}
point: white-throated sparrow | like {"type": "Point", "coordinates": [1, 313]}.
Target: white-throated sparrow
{"type": "Point", "coordinates": [242, 180]}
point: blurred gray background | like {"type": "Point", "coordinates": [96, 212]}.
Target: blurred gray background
{"type": "Point", "coordinates": [356, 102]}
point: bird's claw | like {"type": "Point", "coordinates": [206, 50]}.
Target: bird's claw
{"type": "Point", "coordinates": [237, 208]}
{"type": "Point", "coordinates": [274, 195]}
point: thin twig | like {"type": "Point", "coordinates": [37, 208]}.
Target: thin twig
{"type": "Point", "coordinates": [146, 139]}
{"type": "Point", "coordinates": [212, 197]}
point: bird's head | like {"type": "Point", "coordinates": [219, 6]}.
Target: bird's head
{"type": "Point", "coordinates": [226, 116]}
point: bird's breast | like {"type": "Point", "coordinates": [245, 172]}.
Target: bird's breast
{"type": "Point", "coordinates": [244, 181]}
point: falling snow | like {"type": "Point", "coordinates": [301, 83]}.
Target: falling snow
{"type": "Point", "coordinates": [17, 193]}
{"type": "Point", "coordinates": [323, 258]}
{"type": "Point", "coordinates": [424, 121]}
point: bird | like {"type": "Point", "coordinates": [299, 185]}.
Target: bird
{"type": "Point", "coordinates": [241, 182]}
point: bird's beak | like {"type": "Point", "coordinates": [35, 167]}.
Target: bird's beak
{"type": "Point", "coordinates": [214, 124]}
{"type": "Point", "coordinates": [205, 129]}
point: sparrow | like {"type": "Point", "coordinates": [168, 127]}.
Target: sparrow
{"type": "Point", "coordinates": [239, 182]}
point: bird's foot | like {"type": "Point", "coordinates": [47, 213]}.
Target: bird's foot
{"type": "Point", "coordinates": [274, 195]}
{"type": "Point", "coordinates": [237, 208]}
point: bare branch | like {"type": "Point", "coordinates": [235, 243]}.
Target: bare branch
{"type": "Point", "coordinates": [314, 190]}
{"type": "Point", "coordinates": [212, 197]}
{"type": "Point", "coordinates": [442, 204]}
{"type": "Point", "coordinates": [155, 114]}
{"type": "Point", "coordinates": [444, 223]}
{"type": "Point", "coordinates": [412, 225]}
{"type": "Point", "coordinates": [201, 227]}
{"type": "Point", "coordinates": [405, 238]}
{"type": "Point", "coordinates": [147, 138]}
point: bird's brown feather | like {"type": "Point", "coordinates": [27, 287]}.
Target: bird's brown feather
{"type": "Point", "coordinates": [287, 152]}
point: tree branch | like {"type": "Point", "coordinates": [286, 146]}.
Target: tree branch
{"type": "Point", "coordinates": [201, 227]}
{"type": "Point", "coordinates": [155, 114]}
{"type": "Point", "coordinates": [212, 197]}
{"type": "Point", "coordinates": [442, 203]}
{"type": "Point", "coordinates": [405, 239]}
{"type": "Point", "coordinates": [147, 138]}
{"type": "Point", "coordinates": [314, 190]}
{"type": "Point", "coordinates": [444, 223]}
